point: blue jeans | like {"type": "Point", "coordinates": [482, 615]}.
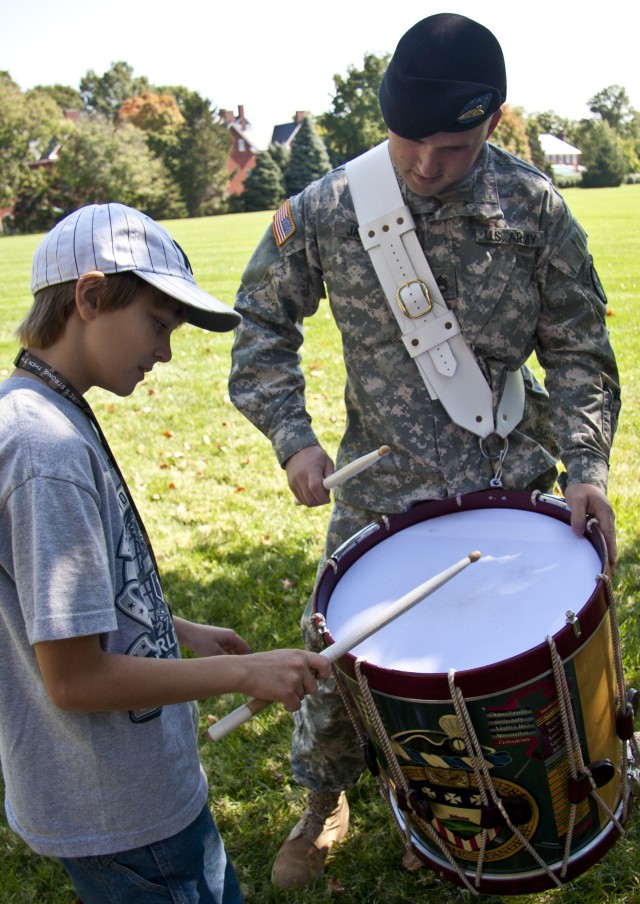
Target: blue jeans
{"type": "Point", "coordinates": [191, 867]}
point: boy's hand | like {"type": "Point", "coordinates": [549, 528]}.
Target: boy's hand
{"type": "Point", "coordinates": [209, 640]}
{"type": "Point", "coordinates": [284, 675]}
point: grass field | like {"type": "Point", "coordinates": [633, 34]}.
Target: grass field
{"type": "Point", "coordinates": [233, 549]}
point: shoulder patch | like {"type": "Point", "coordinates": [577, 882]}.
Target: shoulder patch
{"type": "Point", "coordinates": [283, 225]}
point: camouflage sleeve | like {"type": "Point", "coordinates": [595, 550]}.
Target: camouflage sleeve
{"type": "Point", "coordinates": [581, 375]}
{"type": "Point", "coordinates": [281, 285]}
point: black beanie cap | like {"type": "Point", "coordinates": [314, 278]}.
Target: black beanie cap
{"type": "Point", "coordinates": [447, 75]}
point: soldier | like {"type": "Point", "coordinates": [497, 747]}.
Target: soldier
{"type": "Point", "coordinates": [511, 265]}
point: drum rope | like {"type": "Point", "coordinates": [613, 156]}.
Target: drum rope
{"type": "Point", "coordinates": [399, 777]}
{"type": "Point", "coordinates": [622, 692]}
{"type": "Point", "coordinates": [485, 782]}
{"type": "Point", "coordinates": [352, 711]}
{"type": "Point", "coordinates": [622, 698]}
{"type": "Point", "coordinates": [343, 689]}
{"type": "Point", "coordinates": [475, 752]}
{"type": "Point", "coordinates": [369, 702]}
{"type": "Point", "coordinates": [575, 758]}
{"type": "Point", "coordinates": [571, 743]}
{"type": "Point", "coordinates": [350, 706]}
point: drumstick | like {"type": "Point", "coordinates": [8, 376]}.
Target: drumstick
{"type": "Point", "coordinates": [352, 468]}
{"type": "Point", "coordinates": [355, 637]}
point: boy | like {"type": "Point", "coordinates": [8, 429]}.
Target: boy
{"type": "Point", "coordinates": [97, 740]}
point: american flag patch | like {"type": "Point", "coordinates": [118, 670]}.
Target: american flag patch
{"type": "Point", "coordinates": [283, 225]}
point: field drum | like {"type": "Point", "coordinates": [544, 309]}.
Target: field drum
{"type": "Point", "coordinates": [494, 712]}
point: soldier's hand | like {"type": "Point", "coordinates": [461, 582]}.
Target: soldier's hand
{"type": "Point", "coordinates": [585, 501]}
{"type": "Point", "coordinates": [305, 472]}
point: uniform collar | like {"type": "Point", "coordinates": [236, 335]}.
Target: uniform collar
{"type": "Point", "coordinates": [474, 196]}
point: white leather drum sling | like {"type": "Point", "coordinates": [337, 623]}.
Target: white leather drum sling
{"type": "Point", "coordinates": [430, 331]}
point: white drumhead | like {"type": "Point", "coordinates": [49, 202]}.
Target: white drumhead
{"type": "Point", "coordinates": [533, 569]}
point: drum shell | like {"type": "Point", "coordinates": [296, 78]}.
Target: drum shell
{"type": "Point", "coordinates": [514, 711]}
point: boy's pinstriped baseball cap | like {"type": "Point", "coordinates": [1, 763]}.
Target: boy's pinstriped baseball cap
{"type": "Point", "coordinates": [113, 238]}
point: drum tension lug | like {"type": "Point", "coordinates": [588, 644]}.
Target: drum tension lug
{"type": "Point", "coordinates": [572, 619]}
{"type": "Point", "coordinates": [517, 809]}
{"type": "Point", "coordinates": [413, 802]}
{"type": "Point", "coordinates": [626, 715]}
{"type": "Point", "coordinates": [369, 754]}
{"type": "Point", "coordinates": [579, 788]}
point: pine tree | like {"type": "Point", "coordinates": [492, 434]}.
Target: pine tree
{"type": "Point", "coordinates": [309, 158]}
{"type": "Point", "coordinates": [603, 157]}
{"type": "Point", "coordinates": [264, 186]}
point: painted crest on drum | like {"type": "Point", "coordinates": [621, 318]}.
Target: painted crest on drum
{"type": "Point", "coordinates": [525, 755]}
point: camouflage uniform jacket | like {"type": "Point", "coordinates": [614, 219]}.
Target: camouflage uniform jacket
{"type": "Point", "coordinates": [511, 262]}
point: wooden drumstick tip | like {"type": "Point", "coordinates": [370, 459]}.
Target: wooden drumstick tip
{"type": "Point", "coordinates": [474, 556]}
{"type": "Point", "coordinates": [383, 450]}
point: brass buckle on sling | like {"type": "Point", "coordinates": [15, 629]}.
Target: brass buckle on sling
{"type": "Point", "coordinates": [425, 292]}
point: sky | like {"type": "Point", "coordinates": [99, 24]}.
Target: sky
{"type": "Point", "coordinates": [275, 57]}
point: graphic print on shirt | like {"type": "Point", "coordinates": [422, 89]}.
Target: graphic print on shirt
{"type": "Point", "coordinates": [140, 598]}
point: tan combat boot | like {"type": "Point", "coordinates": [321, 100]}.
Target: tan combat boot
{"type": "Point", "coordinates": [301, 858]}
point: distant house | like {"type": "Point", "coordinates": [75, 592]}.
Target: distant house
{"type": "Point", "coordinates": [48, 157]}
{"type": "Point", "coordinates": [286, 132]}
{"type": "Point", "coordinates": [242, 157]}
{"type": "Point", "coordinates": [563, 157]}
{"type": "Point", "coordinates": [51, 153]}
{"type": "Point", "coordinates": [245, 147]}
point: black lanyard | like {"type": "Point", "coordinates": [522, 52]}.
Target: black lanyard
{"type": "Point", "coordinates": [33, 365]}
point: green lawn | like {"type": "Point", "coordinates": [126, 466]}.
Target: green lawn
{"type": "Point", "coordinates": [233, 549]}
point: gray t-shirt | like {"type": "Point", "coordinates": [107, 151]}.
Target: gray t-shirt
{"type": "Point", "coordinates": [73, 562]}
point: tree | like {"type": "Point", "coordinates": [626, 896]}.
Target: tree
{"type": "Point", "coordinates": [151, 112]}
{"type": "Point", "coordinates": [280, 154]}
{"type": "Point", "coordinates": [511, 133]}
{"type": "Point", "coordinates": [355, 123]}
{"type": "Point", "coordinates": [264, 187]}
{"type": "Point", "coordinates": [309, 158]}
{"type": "Point", "coordinates": [158, 117]}
{"type": "Point", "coordinates": [613, 106]}
{"type": "Point", "coordinates": [549, 123]}
{"type": "Point", "coordinates": [197, 160]}
{"type": "Point", "coordinates": [66, 98]}
{"type": "Point", "coordinates": [38, 201]}
{"type": "Point", "coordinates": [535, 147]}
{"type": "Point", "coordinates": [106, 93]}
{"type": "Point", "coordinates": [631, 151]}
{"type": "Point", "coordinates": [101, 163]}
{"type": "Point", "coordinates": [28, 122]}
{"type": "Point", "coordinates": [602, 155]}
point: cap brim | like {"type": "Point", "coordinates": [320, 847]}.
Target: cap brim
{"type": "Point", "coordinates": [202, 309]}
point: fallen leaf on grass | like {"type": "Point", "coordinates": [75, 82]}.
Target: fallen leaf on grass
{"type": "Point", "coordinates": [411, 862]}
